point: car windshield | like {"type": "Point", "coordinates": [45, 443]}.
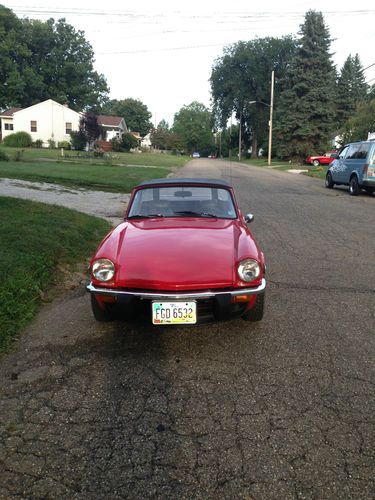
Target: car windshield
{"type": "Point", "coordinates": [183, 201]}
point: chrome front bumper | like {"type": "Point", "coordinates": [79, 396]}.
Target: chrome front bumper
{"type": "Point", "coordinates": [176, 296]}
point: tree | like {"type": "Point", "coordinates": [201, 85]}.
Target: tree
{"type": "Point", "coordinates": [304, 119]}
{"type": "Point", "coordinates": [241, 84]}
{"type": "Point", "coordinates": [351, 89]}
{"type": "Point", "coordinates": [47, 60]}
{"type": "Point", "coordinates": [135, 113]}
{"type": "Point", "coordinates": [160, 135]}
{"type": "Point", "coordinates": [360, 123]}
{"type": "Point", "coordinates": [126, 143]}
{"type": "Point", "coordinates": [89, 128]}
{"type": "Point", "coordinates": [193, 124]}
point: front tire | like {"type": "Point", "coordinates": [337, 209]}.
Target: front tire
{"type": "Point", "coordinates": [329, 181]}
{"type": "Point", "coordinates": [316, 163]}
{"type": "Point", "coordinates": [102, 315]}
{"type": "Point", "coordinates": [354, 186]}
{"type": "Point", "coordinates": [256, 313]}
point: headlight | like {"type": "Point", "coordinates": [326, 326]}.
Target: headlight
{"type": "Point", "coordinates": [103, 269]}
{"type": "Point", "coordinates": [248, 270]}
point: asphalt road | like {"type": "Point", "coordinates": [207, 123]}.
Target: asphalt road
{"type": "Point", "coordinates": [283, 409]}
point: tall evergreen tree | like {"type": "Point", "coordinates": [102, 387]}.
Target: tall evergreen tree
{"type": "Point", "coordinates": [351, 89]}
{"type": "Point", "coordinates": [304, 119]}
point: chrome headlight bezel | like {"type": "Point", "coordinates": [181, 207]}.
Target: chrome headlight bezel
{"type": "Point", "coordinates": [103, 270]}
{"type": "Point", "coordinates": [248, 270]}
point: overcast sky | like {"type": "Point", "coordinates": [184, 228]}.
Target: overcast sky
{"type": "Point", "coordinates": [162, 52]}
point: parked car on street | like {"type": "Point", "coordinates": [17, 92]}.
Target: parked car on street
{"type": "Point", "coordinates": [325, 159]}
{"type": "Point", "coordinates": [183, 255]}
{"type": "Point", "coordinates": [196, 154]}
{"type": "Point", "coordinates": [354, 166]}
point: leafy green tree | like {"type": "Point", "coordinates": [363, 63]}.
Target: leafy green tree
{"type": "Point", "coordinates": [135, 113]}
{"type": "Point", "coordinates": [160, 135]}
{"type": "Point", "coordinates": [360, 123]}
{"type": "Point", "coordinates": [241, 84]}
{"type": "Point", "coordinates": [89, 128]}
{"type": "Point", "coordinates": [47, 60]}
{"type": "Point", "coordinates": [193, 124]}
{"type": "Point", "coordinates": [351, 88]}
{"type": "Point", "coordinates": [304, 118]}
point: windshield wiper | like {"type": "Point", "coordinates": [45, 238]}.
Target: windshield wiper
{"type": "Point", "coordinates": [195, 214]}
{"type": "Point", "coordinates": [148, 216]}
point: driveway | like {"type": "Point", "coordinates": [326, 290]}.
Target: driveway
{"type": "Point", "coordinates": [109, 206]}
{"type": "Point", "coordinates": [283, 409]}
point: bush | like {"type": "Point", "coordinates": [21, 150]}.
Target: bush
{"type": "Point", "coordinates": [78, 140]}
{"type": "Point", "coordinates": [126, 143]}
{"type": "Point", "coordinates": [18, 140]}
{"type": "Point", "coordinates": [51, 143]}
{"type": "Point", "coordinates": [37, 144]}
{"type": "Point", "coordinates": [3, 156]}
{"type": "Point", "coordinates": [18, 155]}
{"type": "Point", "coordinates": [64, 145]}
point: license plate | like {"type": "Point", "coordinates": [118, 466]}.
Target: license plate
{"type": "Point", "coordinates": [174, 313]}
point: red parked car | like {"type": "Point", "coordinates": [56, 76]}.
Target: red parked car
{"type": "Point", "coordinates": [325, 159]}
{"type": "Point", "coordinates": [182, 255]}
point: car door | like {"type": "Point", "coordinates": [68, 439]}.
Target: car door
{"type": "Point", "coordinates": [338, 165]}
{"type": "Point", "coordinates": [349, 163]}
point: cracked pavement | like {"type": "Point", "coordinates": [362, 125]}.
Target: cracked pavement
{"type": "Point", "coordinates": [283, 409]}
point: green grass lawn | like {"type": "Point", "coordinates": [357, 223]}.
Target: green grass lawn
{"type": "Point", "coordinates": [35, 239]}
{"type": "Point", "coordinates": [77, 175]}
{"type": "Point", "coordinates": [147, 159]}
{"type": "Point", "coordinates": [118, 173]}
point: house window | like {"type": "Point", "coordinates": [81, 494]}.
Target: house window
{"type": "Point", "coordinates": [33, 127]}
{"type": "Point", "coordinates": [8, 126]}
{"type": "Point", "coordinates": [68, 127]}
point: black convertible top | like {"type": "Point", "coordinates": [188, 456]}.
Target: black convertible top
{"type": "Point", "coordinates": [186, 181]}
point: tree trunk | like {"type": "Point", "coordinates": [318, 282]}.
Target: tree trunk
{"type": "Point", "coordinates": [254, 147]}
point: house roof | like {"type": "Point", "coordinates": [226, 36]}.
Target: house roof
{"type": "Point", "coordinates": [109, 121]}
{"type": "Point", "coordinates": [10, 111]}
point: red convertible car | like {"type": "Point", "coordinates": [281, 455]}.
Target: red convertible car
{"type": "Point", "coordinates": [183, 255]}
{"type": "Point", "coordinates": [325, 159]}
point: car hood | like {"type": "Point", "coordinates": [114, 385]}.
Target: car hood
{"type": "Point", "coordinates": [173, 254]}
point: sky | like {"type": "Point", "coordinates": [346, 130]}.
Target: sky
{"type": "Point", "coordinates": [162, 52]}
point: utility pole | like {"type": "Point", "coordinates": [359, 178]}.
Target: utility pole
{"type": "Point", "coordinates": [270, 122]}
{"type": "Point", "coordinates": [239, 138]}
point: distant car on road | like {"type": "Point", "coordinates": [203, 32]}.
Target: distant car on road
{"type": "Point", "coordinates": [325, 159]}
{"type": "Point", "coordinates": [354, 166]}
{"type": "Point", "coordinates": [196, 154]}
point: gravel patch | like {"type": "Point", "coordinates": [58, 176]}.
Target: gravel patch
{"type": "Point", "coordinates": [108, 206]}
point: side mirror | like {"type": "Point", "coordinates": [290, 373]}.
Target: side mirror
{"type": "Point", "coordinates": [249, 218]}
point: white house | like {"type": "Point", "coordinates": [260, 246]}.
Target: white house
{"type": "Point", "coordinates": [47, 120]}
{"type": "Point", "coordinates": [111, 126]}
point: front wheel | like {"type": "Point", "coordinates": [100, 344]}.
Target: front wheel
{"type": "Point", "coordinates": [102, 315]}
{"type": "Point", "coordinates": [354, 186]}
{"type": "Point", "coordinates": [256, 313]}
{"type": "Point", "coordinates": [329, 181]}
{"type": "Point", "coordinates": [316, 163]}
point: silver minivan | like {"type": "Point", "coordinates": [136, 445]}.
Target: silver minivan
{"type": "Point", "coordinates": [354, 166]}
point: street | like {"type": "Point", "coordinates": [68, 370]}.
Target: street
{"type": "Point", "coordinates": [281, 409]}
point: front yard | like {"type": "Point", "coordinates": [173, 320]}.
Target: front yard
{"type": "Point", "coordinates": [36, 240]}
{"type": "Point", "coordinates": [118, 173]}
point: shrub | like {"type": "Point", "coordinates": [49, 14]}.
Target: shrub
{"type": "Point", "coordinates": [64, 145]}
{"type": "Point", "coordinates": [51, 143]}
{"type": "Point", "coordinates": [126, 143]}
{"type": "Point", "coordinates": [3, 156]}
{"type": "Point", "coordinates": [18, 140]}
{"type": "Point", "coordinates": [18, 155]}
{"type": "Point", "coordinates": [78, 140]}
{"type": "Point", "coordinates": [37, 144]}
